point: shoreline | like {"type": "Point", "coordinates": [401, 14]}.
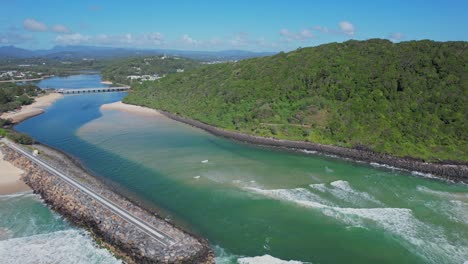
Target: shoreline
{"type": "Point", "coordinates": [29, 177]}
{"type": "Point", "coordinates": [121, 239]}
{"type": "Point", "coordinates": [451, 172]}
{"type": "Point", "coordinates": [11, 178]}
{"type": "Point", "coordinates": [456, 172]}
{"type": "Point", "coordinates": [133, 109]}
{"type": "Point", "coordinates": [34, 109]}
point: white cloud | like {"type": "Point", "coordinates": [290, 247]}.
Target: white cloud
{"type": "Point", "coordinates": [186, 39]}
{"type": "Point", "coordinates": [72, 39]}
{"type": "Point", "coordinates": [302, 36]}
{"type": "Point", "coordinates": [347, 28]}
{"type": "Point", "coordinates": [60, 29]}
{"type": "Point", "coordinates": [322, 29]}
{"type": "Point", "coordinates": [34, 25]}
{"type": "Point", "coordinates": [396, 36]}
{"type": "Point", "coordinates": [128, 39]}
{"type": "Point", "coordinates": [154, 38]}
{"type": "Point", "coordinates": [306, 34]}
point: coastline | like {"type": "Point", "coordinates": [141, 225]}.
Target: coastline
{"type": "Point", "coordinates": [34, 109]}
{"type": "Point", "coordinates": [17, 174]}
{"type": "Point", "coordinates": [110, 231]}
{"type": "Point", "coordinates": [451, 172]}
{"type": "Point", "coordinates": [10, 178]}
{"type": "Point", "coordinates": [134, 109]}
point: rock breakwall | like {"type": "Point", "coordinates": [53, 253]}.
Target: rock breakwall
{"type": "Point", "coordinates": [453, 172]}
{"type": "Point", "coordinates": [129, 242]}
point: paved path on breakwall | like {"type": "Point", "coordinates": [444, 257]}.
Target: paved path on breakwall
{"type": "Point", "coordinates": [148, 229]}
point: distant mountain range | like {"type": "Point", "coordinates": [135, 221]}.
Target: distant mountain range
{"type": "Point", "coordinates": [79, 52]}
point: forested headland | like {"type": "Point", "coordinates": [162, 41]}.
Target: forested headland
{"type": "Point", "coordinates": [405, 99]}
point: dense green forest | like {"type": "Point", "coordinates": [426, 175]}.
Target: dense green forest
{"type": "Point", "coordinates": [13, 96]}
{"type": "Point", "coordinates": [406, 99]}
{"type": "Point", "coordinates": [118, 70]}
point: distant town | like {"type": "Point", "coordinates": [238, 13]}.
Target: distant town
{"type": "Point", "coordinates": [15, 75]}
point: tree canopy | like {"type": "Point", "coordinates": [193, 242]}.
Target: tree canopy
{"type": "Point", "coordinates": [405, 99]}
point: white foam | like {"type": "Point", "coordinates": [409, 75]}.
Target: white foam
{"type": "Point", "coordinates": [343, 191]}
{"type": "Point", "coordinates": [430, 242]}
{"type": "Point", "coordinates": [379, 165]}
{"type": "Point", "coordinates": [319, 187]}
{"type": "Point", "coordinates": [299, 196]}
{"type": "Point", "coordinates": [204, 161]}
{"type": "Point", "coordinates": [265, 259]}
{"type": "Point", "coordinates": [461, 196]}
{"type": "Point", "coordinates": [222, 256]}
{"type": "Point", "coordinates": [69, 246]}
{"type": "Point", "coordinates": [196, 177]}
{"type": "Point", "coordinates": [309, 151]}
{"type": "Point", "coordinates": [328, 170]}
{"type": "Point", "coordinates": [422, 174]}
{"type": "Point", "coordinates": [16, 195]}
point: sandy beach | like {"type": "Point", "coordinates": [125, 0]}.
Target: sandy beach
{"type": "Point", "coordinates": [106, 82]}
{"type": "Point", "coordinates": [33, 109]}
{"type": "Point", "coordinates": [10, 178]}
{"type": "Point", "coordinates": [134, 109]}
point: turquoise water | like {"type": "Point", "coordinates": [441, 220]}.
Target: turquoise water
{"type": "Point", "coordinates": [32, 233]}
{"type": "Point", "coordinates": [255, 201]}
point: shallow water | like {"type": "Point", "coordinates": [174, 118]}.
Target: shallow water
{"type": "Point", "coordinates": [259, 204]}
{"type": "Point", "coordinates": [31, 233]}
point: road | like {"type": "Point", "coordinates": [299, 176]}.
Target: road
{"type": "Point", "coordinates": [148, 229]}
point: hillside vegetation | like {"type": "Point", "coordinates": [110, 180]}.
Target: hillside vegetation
{"type": "Point", "coordinates": [406, 99]}
{"type": "Point", "coordinates": [13, 96]}
{"type": "Point", "coordinates": [118, 70]}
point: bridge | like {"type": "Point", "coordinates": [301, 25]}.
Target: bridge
{"type": "Point", "coordinates": [93, 90]}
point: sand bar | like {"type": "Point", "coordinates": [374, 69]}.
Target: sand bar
{"type": "Point", "coordinates": [134, 109]}
{"type": "Point", "coordinates": [33, 109]}
{"type": "Point", "coordinates": [10, 178]}
{"type": "Point", "coordinates": [106, 82]}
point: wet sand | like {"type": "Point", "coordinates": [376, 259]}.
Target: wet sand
{"type": "Point", "coordinates": [10, 178]}
{"type": "Point", "coordinates": [33, 109]}
{"type": "Point", "coordinates": [134, 109]}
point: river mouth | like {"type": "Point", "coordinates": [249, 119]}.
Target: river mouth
{"type": "Point", "coordinates": [254, 201]}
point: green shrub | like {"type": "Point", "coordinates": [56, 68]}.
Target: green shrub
{"type": "Point", "coordinates": [20, 138]}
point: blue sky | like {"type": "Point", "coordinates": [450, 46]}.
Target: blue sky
{"type": "Point", "coordinates": [219, 25]}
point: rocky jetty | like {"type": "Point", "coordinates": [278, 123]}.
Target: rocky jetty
{"type": "Point", "coordinates": [453, 172]}
{"type": "Point", "coordinates": [127, 241]}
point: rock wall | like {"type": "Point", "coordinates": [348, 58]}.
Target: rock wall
{"type": "Point", "coordinates": [453, 172]}
{"type": "Point", "coordinates": [129, 242]}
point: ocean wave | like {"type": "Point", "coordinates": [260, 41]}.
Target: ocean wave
{"type": "Point", "coordinates": [17, 195]}
{"type": "Point", "coordinates": [461, 196]}
{"type": "Point", "coordinates": [428, 241]}
{"type": "Point", "coordinates": [422, 174]}
{"type": "Point", "coordinates": [265, 259]}
{"type": "Point", "coordinates": [299, 196]}
{"type": "Point", "coordinates": [343, 191]}
{"type": "Point", "coordinates": [69, 246]}
{"type": "Point", "coordinates": [379, 165]}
